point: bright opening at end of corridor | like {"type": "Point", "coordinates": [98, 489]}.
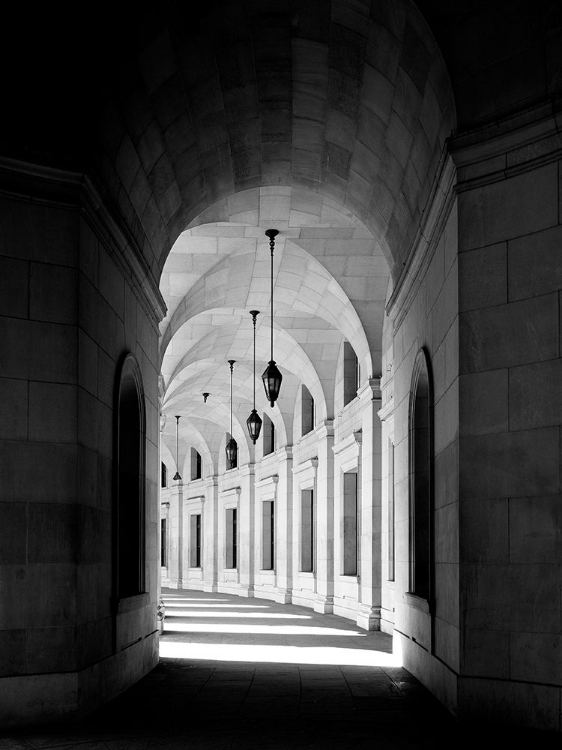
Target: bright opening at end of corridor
{"type": "Point", "coordinates": [222, 629]}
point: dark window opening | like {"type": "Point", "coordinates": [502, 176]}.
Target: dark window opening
{"type": "Point", "coordinates": [268, 535]}
{"type": "Point", "coordinates": [308, 532]}
{"type": "Point", "coordinates": [195, 541]}
{"type": "Point", "coordinates": [391, 512]}
{"type": "Point", "coordinates": [350, 525]}
{"type": "Point", "coordinates": [351, 374]}
{"type": "Point", "coordinates": [163, 543]}
{"type": "Point", "coordinates": [421, 479]}
{"type": "Point", "coordinates": [307, 413]}
{"type": "Point", "coordinates": [268, 436]}
{"type": "Point", "coordinates": [164, 475]}
{"type": "Point", "coordinates": [231, 539]}
{"type": "Point", "coordinates": [130, 481]}
{"type": "Point", "coordinates": [195, 464]}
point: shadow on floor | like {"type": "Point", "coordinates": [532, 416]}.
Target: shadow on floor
{"type": "Point", "coordinates": [249, 674]}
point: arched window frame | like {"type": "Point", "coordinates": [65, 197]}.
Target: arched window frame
{"type": "Point", "coordinates": [129, 390]}
{"type": "Point", "coordinates": [421, 463]}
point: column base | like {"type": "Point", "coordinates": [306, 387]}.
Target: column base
{"type": "Point", "coordinates": [324, 605]}
{"type": "Point", "coordinates": [246, 590]}
{"type": "Point", "coordinates": [283, 596]}
{"type": "Point", "coordinates": [210, 587]}
{"type": "Point", "coordinates": [369, 618]}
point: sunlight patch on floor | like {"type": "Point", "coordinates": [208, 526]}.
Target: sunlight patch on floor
{"type": "Point", "coordinates": [236, 614]}
{"type": "Point", "coordinates": [219, 606]}
{"type": "Point", "coordinates": [173, 599]}
{"type": "Point", "coordinates": [258, 629]}
{"type": "Point", "coordinates": [278, 654]}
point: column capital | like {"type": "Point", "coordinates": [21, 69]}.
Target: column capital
{"type": "Point", "coordinates": [371, 390]}
{"type": "Point", "coordinates": [387, 410]}
{"type": "Point", "coordinates": [285, 453]}
{"type": "Point", "coordinates": [211, 481]}
{"type": "Point", "coordinates": [247, 470]}
{"type": "Point", "coordinates": [325, 430]}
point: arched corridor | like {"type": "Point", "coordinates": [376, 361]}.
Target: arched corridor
{"type": "Point", "coordinates": [363, 197]}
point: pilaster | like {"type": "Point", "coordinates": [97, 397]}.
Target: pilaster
{"type": "Point", "coordinates": [371, 507]}
{"type": "Point", "coordinates": [210, 535]}
{"type": "Point", "coordinates": [325, 519]}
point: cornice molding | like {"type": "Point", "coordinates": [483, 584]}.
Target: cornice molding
{"type": "Point", "coordinates": [509, 146]}
{"type": "Point", "coordinates": [351, 442]}
{"type": "Point", "coordinates": [308, 465]}
{"type": "Point", "coordinates": [231, 491]}
{"type": "Point", "coordinates": [387, 410]}
{"type": "Point", "coordinates": [267, 481]}
{"type": "Point", "coordinates": [370, 390]}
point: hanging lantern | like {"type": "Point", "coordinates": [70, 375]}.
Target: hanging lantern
{"type": "Point", "coordinates": [254, 421]}
{"type": "Point", "coordinates": [177, 475]}
{"type": "Point", "coordinates": [272, 377]}
{"type": "Point", "coordinates": [272, 382]}
{"type": "Point", "coordinates": [232, 452]}
{"type": "Point", "coordinates": [231, 446]}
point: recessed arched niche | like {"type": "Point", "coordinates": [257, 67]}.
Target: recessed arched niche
{"type": "Point", "coordinates": [421, 478]}
{"type": "Point", "coordinates": [130, 470]}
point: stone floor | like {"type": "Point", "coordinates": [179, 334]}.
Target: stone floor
{"type": "Point", "coordinates": [249, 674]}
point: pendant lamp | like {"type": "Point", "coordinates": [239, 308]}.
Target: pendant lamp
{"type": "Point", "coordinates": [272, 377]}
{"type": "Point", "coordinates": [177, 475]}
{"type": "Point", "coordinates": [231, 446]}
{"type": "Point", "coordinates": [254, 421]}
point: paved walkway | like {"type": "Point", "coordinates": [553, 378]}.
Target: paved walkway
{"type": "Point", "coordinates": [249, 674]}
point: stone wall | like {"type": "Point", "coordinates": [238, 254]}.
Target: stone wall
{"type": "Point", "coordinates": [510, 276]}
{"type": "Point", "coordinates": [425, 314]}
{"type": "Point", "coordinates": [70, 313]}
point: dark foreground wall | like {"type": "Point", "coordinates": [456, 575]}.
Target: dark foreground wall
{"type": "Point", "coordinates": [72, 308]}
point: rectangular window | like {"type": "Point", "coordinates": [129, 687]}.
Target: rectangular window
{"type": "Point", "coordinates": [163, 543]}
{"type": "Point", "coordinates": [350, 524]}
{"type": "Point", "coordinates": [268, 535]}
{"type": "Point", "coordinates": [164, 475]}
{"type": "Point", "coordinates": [231, 539]}
{"type": "Point", "coordinates": [308, 532]}
{"type": "Point", "coordinates": [391, 501]}
{"type": "Point", "coordinates": [195, 541]}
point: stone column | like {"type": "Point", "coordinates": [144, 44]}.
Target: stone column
{"type": "Point", "coordinates": [210, 540]}
{"type": "Point", "coordinates": [246, 530]}
{"type": "Point", "coordinates": [284, 527]}
{"type": "Point", "coordinates": [370, 572]}
{"type": "Point", "coordinates": [181, 535]}
{"type": "Point", "coordinates": [325, 520]}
